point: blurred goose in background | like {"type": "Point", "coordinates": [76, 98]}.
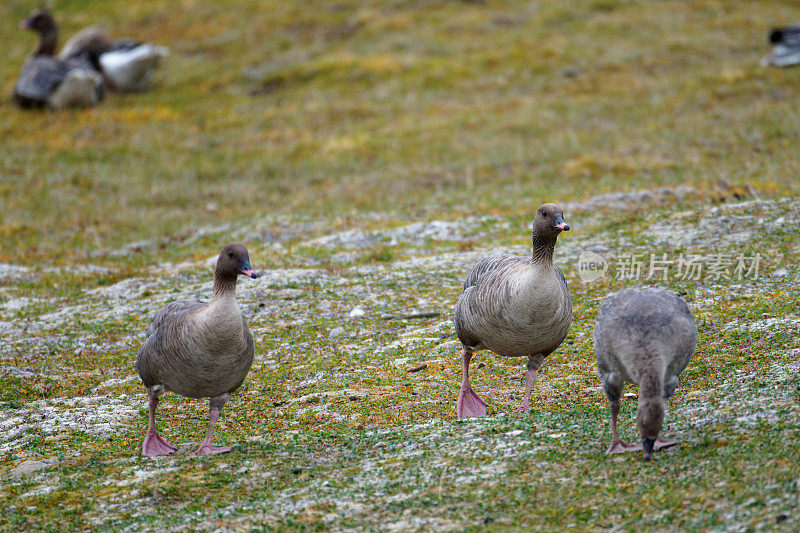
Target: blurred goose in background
{"type": "Point", "coordinates": [785, 47]}
{"type": "Point", "coordinates": [125, 64]}
{"type": "Point", "coordinates": [643, 336]}
{"type": "Point", "coordinates": [198, 350]}
{"type": "Point", "coordinates": [48, 81]}
{"type": "Point", "coordinates": [515, 307]}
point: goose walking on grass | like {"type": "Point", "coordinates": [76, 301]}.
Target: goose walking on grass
{"type": "Point", "coordinates": [47, 81]}
{"type": "Point", "coordinates": [515, 307]}
{"type": "Point", "coordinates": [198, 350]}
{"type": "Point", "coordinates": [643, 336]}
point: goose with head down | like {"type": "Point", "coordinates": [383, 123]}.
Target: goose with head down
{"type": "Point", "coordinates": [198, 350]}
{"type": "Point", "coordinates": [516, 307]}
{"type": "Point", "coordinates": [643, 336]}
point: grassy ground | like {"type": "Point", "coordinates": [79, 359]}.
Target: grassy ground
{"type": "Point", "coordinates": [368, 153]}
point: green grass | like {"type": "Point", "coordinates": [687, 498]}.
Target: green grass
{"type": "Point", "coordinates": [279, 123]}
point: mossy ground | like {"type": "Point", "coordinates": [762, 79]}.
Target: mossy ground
{"type": "Point", "coordinates": [368, 154]}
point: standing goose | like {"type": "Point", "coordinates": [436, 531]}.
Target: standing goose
{"type": "Point", "coordinates": [643, 336]}
{"type": "Point", "coordinates": [52, 82]}
{"type": "Point", "coordinates": [198, 350]}
{"type": "Point", "coordinates": [515, 307]}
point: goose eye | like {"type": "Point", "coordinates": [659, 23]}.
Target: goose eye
{"type": "Point", "coordinates": [230, 254]}
{"type": "Point", "coordinates": [544, 215]}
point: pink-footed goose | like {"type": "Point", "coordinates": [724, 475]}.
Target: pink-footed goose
{"type": "Point", "coordinates": [198, 350]}
{"type": "Point", "coordinates": [47, 81]}
{"type": "Point", "coordinates": [643, 336]}
{"type": "Point", "coordinates": [515, 307]}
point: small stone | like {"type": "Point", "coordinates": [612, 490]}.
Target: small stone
{"type": "Point", "coordinates": [781, 518]}
{"type": "Point", "coordinates": [631, 395]}
{"type": "Point", "coordinates": [355, 396]}
{"type": "Point", "coordinates": [356, 312]}
{"type": "Point", "coordinates": [481, 365]}
{"type": "Point", "coordinates": [289, 294]}
{"type": "Point", "coordinates": [27, 467]}
{"type": "Point", "coordinates": [338, 331]}
{"type": "Point", "coordinates": [297, 470]}
{"type": "Point", "coordinates": [780, 273]}
{"type": "Point", "coordinates": [417, 368]}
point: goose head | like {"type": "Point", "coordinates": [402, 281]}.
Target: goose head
{"type": "Point", "coordinates": [649, 419]}
{"type": "Point", "coordinates": [549, 221]}
{"type": "Point", "coordinates": [43, 23]}
{"type": "Point", "coordinates": [234, 261]}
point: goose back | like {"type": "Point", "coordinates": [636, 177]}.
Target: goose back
{"type": "Point", "coordinates": [641, 332]}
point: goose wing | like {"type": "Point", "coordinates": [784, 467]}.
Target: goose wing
{"type": "Point", "coordinates": [40, 76]}
{"type": "Point", "coordinates": [496, 261]}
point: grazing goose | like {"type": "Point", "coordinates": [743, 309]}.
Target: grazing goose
{"type": "Point", "coordinates": [198, 350]}
{"type": "Point", "coordinates": [48, 81]}
{"type": "Point", "coordinates": [125, 64]}
{"type": "Point", "coordinates": [515, 307]}
{"type": "Point", "coordinates": [643, 336]}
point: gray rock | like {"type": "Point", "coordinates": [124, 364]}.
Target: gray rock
{"type": "Point", "coordinates": [28, 467]}
{"type": "Point", "coordinates": [289, 294]}
{"type": "Point", "coordinates": [781, 272]}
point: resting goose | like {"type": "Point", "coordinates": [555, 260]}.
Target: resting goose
{"type": "Point", "coordinates": [515, 307]}
{"type": "Point", "coordinates": [643, 336]}
{"type": "Point", "coordinates": [51, 82]}
{"type": "Point", "coordinates": [198, 350]}
{"type": "Point", "coordinates": [125, 64]}
{"type": "Point", "coordinates": [785, 47]}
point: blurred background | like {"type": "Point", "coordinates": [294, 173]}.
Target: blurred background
{"type": "Point", "coordinates": [419, 108]}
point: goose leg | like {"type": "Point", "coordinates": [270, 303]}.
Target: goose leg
{"type": "Point", "coordinates": [469, 403]}
{"type": "Point", "coordinates": [617, 444]}
{"type": "Point", "coordinates": [530, 376]}
{"type": "Point", "coordinates": [206, 448]}
{"type": "Point", "coordinates": [153, 444]}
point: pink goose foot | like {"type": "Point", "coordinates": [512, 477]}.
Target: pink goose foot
{"type": "Point", "coordinates": [206, 448]}
{"type": "Point", "coordinates": [210, 449]}
{"type": "Point", "coordinates": [664, 443]}
{"type": "Point", "coordinates": [470, 404]}
{"type": "Point", "coordinates": [621, 447]}
{"type": "Point", "coordinates": [154, 446]}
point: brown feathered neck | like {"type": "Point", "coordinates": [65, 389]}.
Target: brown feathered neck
{"type": "Point", "coordinates": [651, 385]}
{"type": "Point", "coordinates": [48, 42]}
{"type": "Point", "coordinates": [224, 283]}
{"type": "Point", "coordinates": [543, 247]}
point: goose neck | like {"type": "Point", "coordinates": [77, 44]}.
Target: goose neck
{"type": "Point", "coordinates": [48, 42]}
{"type": "Point", "coordinates": [224, 286]}
{"type": "Point", "coordinates": [543, 248]}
